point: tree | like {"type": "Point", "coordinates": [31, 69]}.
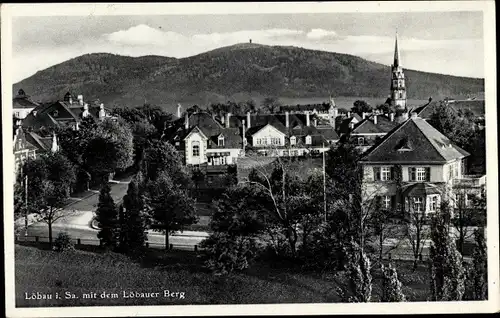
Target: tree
{"type": "Point", "coordinates": [416, 232]}
{"type": "Point", "coordinates": [466, 216]}
{"type": "Point", "coordinates": [359, 284]}
{"type": "Point", "coordinates": [360, 107]}
{"type": "Point", "coordinates": [161, 156]}
{"type": "Point", "coordinates": [132, 220]}
{"type": "Point", "coordinates": [169, 205]}
{"type": "Point", "coordinates": [50, 177]}
{"type": "Point", "coordinates": [391, 286]}
{"type": "Point", "coordinates": [448, 274]}
{"type": "Point", "coordinates": [270, 105]}
{"type": "Point", "coordinates": [198, 176]}
{"type": "Point", "coordinates": [107, 218]}
{"type": "Point", "coordinates": [386, 108]}
{"type": "Point", "coordinates": [236, 225]}
{"type": "Point", "coordinates": [480, 267]}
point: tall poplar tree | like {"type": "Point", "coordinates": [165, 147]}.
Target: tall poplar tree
{"type": "Point", "coordinates": [107, 218]}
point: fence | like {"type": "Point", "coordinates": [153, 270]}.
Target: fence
{"type": "Point", "coordinates": [85, 242]}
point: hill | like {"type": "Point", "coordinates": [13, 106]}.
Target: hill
{"type": "Point", "coordinates": [237, 73]}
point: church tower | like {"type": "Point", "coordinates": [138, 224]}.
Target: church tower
{"type": "Point", "coordinates": [398, 85]}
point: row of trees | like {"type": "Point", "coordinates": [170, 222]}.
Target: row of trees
{"type": "Point", "coordinates": [280, 213]}
{"type": "Point", "coordinates": [87, 157]}
{"type": "Point", "coordinates": [158, 198]}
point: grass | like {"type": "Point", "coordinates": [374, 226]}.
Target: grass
{"type": "Point", "coordinates": [80, 272]}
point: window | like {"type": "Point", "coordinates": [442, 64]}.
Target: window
{"type": "Point", "coordinates": [308, 140]}
{"type": "Point", "coordinates": [196, 148]}
{"type": "Point", "coordinates": [400, 95]}
{"type": "Point", "coordinates": [275, 141]}
{"type": "Point", "coordinates": [385, 173]}
{"type": "Point", "coordinates": [386, 202]}
{"type": "Point", "coordinates": [419, 173]}
{"type": "Point", "coordinates": [418, 204]}
{"type": "Point", "coordinates": [361, 141]}
{"type": "Point", "coordinates": [295, 152]}
{"type": "Point", "coordinates": [433, 201]}
{"type": "Point", "coordinates": [220, 141]}
{"type": "Point", "coordinates": [293, 140]}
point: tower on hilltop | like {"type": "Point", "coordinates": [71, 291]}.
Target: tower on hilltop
{"type": "Point", "coordinates": [398, 85]}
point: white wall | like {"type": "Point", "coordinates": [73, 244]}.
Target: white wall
{"type": "Point", "coordinates": [268, 132]}
{"type": "Point", "coordinates": [202, 158]}
{"type": "Point", "coordinates": [21, 113]}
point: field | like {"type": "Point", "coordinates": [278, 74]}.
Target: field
{"type": "Point", "coordinates": [83, 272]}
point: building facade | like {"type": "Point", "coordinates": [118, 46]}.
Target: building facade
{"type": "Point", "coordinates": [22, 105]}
{"type": "Point", "coordinates": [66, 113]}
{"type": "Point", "coordinates": [203, 138]}
{"type": "Point", "coordinates": [415, 167]}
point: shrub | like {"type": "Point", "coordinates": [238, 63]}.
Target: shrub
{"type": "Point", "coordinates": [63, 242]}
{"type": "Point", "coordinates": [226, 253]}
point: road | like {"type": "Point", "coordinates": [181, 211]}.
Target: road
{"type": "Point", "coordinates": [81, 211]}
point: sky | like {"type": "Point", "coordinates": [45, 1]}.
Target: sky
{"type": "Point", "coordinates": [439, 42]}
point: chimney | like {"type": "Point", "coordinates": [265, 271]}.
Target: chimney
{"type": "Point", "coordinates": [308, 119]}
{"type": "Point", "coordinates": [364, 115]}
{"type": "Point", "coordinates": [85, 110]}
{"type": "Point", "coordinates": [348, 114]}
{"type": "Point", "coordinates": [287, 119]}
{"type": "Point", "coordinates": [248, 120]}
{"type": "Point", "coordinates": [315, 122]}
{"type": "Point", "coordinates": [179, 110]}
{"type": "Point", "coordinates": [102, 113]}
{"type": "Point", "coordinates": [375, 119]}
{"type": "Point", "coordinates": [54, 144]}
{"type": "Point", "coordinates": [186, 121]}
{"type": "Point", "coordinates": [80, 100]}
{"type": "Point", "coordinates": [392, 116]}
{"type": "Point", "coordinates": [414, 115]}
{"type": "Point", "coordinates": [404, 115]}
{"type": "Point", "coordinates": [227, 119]}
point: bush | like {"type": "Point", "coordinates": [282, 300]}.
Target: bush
{"type": "Point", "coordinates": [226, 253]}
{"type": "Point", "coordinates": [63, 242]}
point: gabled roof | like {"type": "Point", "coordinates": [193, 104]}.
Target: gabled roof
{"type": "Point", "coordinates": [195, 130]}
{"type": "Point", "coordinates": [42, 143]}
{"type": "Point", "coordinates": [428, 145]}
{"type": "Point", "coordinates": [368, 126]}
{"type": "Point", "coordinates": [23, 102]}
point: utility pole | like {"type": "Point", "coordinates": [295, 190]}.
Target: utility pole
{"type": "Point", "coordinates": [324, 182]}
{"type": "Point", "coordinates": [26, 205]}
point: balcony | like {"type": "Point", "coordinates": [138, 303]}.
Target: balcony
{"type": "Point", "coordinates": [470, 181]}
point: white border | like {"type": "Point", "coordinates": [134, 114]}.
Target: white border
{"type": "Point", "coordinates": [488, 9]}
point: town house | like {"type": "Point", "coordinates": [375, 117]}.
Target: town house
{"type": "Point", "coordinates": [414, 167]}
{"type": "Point", "coordinates": [66, 113]}
{"type": "Point", "coordinates": [203, 138]}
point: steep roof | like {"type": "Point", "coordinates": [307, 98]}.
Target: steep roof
{"type": "Point", "coordinates": [23, 102]}
{"type": "Point", "coordinates": [42, 143]}
{"type": "Point", "coordinates": [427, 145]}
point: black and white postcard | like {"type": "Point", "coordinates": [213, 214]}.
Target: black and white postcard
{"type": "Point", "coordinates": [250, 158]}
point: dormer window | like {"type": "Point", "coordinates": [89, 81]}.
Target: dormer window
{"type": "Point", "coordinates": [308, 140]}
{"type": "Point", "coordinates": [293, 140]}
{"type": "Point", "coordinates": [361, 141]}
{"type": "Point", "coordinates": [404, 145]}
{"type": "Point", "coordinates": [220, 141]}
{"type": "Point", "coordinates": [55, 113]}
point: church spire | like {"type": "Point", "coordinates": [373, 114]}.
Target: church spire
{"type": "Point", "coordinates": [396, 52]}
